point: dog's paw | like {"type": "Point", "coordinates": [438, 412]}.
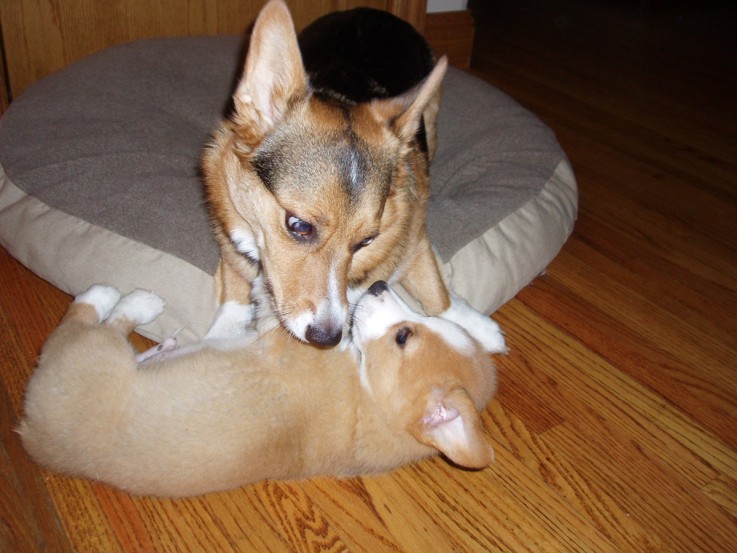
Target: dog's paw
{"type": "Point", "coordinates": [140, 307]}
{"type": "Point", "coordinates": [481, 327]}
{"type": "Point", "coordinates": [103, 298]}
{"type": "Point", "coordinates": [232, 320]}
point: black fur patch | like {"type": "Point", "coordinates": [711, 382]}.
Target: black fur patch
{"type": "Point", "coordinates": [264, 164]}
{"type": "Point", "coordinates": [358, 55]}
{"type": "Point", "coordinates": [361, 54]}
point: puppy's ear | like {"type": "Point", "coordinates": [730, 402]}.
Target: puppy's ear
{"type": "Point", "coordinates": [273, 73]}
{"type": "Point", "coordinates": [452, 425]}
{"type": "Point", "coordinates": [404, 112]}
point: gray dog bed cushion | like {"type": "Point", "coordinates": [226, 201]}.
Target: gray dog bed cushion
{"type": "Point", "coordinates": [100, 180]}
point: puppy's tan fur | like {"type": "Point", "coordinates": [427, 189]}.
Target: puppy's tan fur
{"type": "Point", "coordinates": [275, 110]}
{"type": "Point", "coordinates": [210, 420]}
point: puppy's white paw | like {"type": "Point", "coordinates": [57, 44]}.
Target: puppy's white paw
{"type": "Point", "coordinates": [232, 320]}
{"type": "Point", "coordinates": [481, 327]}
{"type": "Point", "coordinates": [103, 298]}
{"type": "Point", "coordinates": [140, 307]}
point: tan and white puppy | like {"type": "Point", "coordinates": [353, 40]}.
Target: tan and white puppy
{"type": "Point", "coordinates": [211, 419]}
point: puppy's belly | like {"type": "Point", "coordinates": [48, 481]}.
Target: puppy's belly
{"type": "Point", "coordinates": [192, 425]}
{"type": "Point", "coordinates": [199, 432]}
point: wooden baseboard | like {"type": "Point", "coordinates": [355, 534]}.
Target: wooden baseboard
{"type": "Point", "coordinates": [451, 33]}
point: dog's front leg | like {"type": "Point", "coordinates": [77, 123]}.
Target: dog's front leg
{"type": "Point", "coordinates": [424, 281]}
{"type": "Point", "coordinates": [236, 311]}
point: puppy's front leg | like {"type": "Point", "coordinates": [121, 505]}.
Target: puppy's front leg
{"type": "Point", "coordinates": [424, 282]}
{"type": "Point", "coordinates": [481, 327]}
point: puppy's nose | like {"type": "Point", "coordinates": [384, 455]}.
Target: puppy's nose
{"type": "Point", "coordinates": [378, 288]}
{"type": "Point", "coordinates": [323, 336]}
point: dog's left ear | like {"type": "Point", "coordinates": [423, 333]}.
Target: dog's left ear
{"type": "Point", "coordinates": [452, 425]}
{"type": "Point", "coordinates": [404, 112]}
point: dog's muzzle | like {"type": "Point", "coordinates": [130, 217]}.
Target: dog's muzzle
{"type": "Point", "coordinates": [327, 337]}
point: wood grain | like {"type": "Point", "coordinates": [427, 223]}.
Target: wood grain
{"type": "Point", "coordinates": [41, 36]}
{"type": "Point", "coordinates": [615, 424]}
{"type": "Point", "coordinates": [451, 34]}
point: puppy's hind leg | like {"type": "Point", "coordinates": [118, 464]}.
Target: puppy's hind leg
{"type": "Point", "coordinates": [80, 331]}
{"type": "Point", "coordinates": [137, 308]}
{"type": "Point", "coordinates": [93, 306]}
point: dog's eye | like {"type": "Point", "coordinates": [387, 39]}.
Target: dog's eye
{"type": "Point", "coordinates": [402, 336]}
{"type": "Point", "coordinates": [363, 243]}
{"type": "Point", "coordinates": [299, 228]}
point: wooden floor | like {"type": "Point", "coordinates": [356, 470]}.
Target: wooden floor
{"type": "Point", "coordinates": [616, 419]}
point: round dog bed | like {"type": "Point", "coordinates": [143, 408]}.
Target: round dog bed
{"type": "Point", "coordinates": [100, 181]}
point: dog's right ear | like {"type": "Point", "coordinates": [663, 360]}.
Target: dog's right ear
{"type": "Point", "coordinates": [404, 112]}
{"type": "Point", "coordinates": [273, 74]}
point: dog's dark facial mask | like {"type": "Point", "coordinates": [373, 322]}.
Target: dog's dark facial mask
{"type": "Point", "coordinates": [338, 196]}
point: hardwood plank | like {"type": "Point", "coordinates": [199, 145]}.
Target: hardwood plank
{"type": "Point", "coordinates": [504, 508]}
{"type": "Point", "coordinates": [583, 493]}
{"type": "Point", "coordinates": [299, 521]}
{"type": "Point", "coordinates": [723, 491]}
{"type": "Point", "coordinates": [588, 388]}
{"type": "Point", "coordinates": [633, 477]}
{"type": "Point", "coordinates": [648, 362]}
{"type": "Point", "coordinates": [29, 518]}
{"type": "Point", "coordinates": [626, 428]}
{"type": "Point", "coordinates": [354, 514]}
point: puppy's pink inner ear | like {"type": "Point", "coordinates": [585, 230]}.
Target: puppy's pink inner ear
{"type": "Point", "coordinates": [439, 415]}
{"type": "Point", "coordinates": [452, 426]}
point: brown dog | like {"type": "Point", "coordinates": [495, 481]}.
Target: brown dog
{"type": "Point", "coordinates": [318, 181]}
{"type": "Point", "coordinates": [209, 419]}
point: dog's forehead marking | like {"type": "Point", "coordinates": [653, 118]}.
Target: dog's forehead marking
{"type": "Point", "coordinates": [355, 169]}
{"type": "Point", "coordinates": [322, 146]}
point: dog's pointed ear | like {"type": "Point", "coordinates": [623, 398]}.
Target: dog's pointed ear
{"type": "Point", "coordinates": [273, 72]}
{"type": "Point", "coordinates": [404, 112]}
{"type": "Point", "coordinates": [452, 425]}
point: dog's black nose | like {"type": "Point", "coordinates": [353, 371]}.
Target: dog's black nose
{"type": "Point", "coordinates": [323, 337]}
{"type": "Point", "coordinates": [378, 287]}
